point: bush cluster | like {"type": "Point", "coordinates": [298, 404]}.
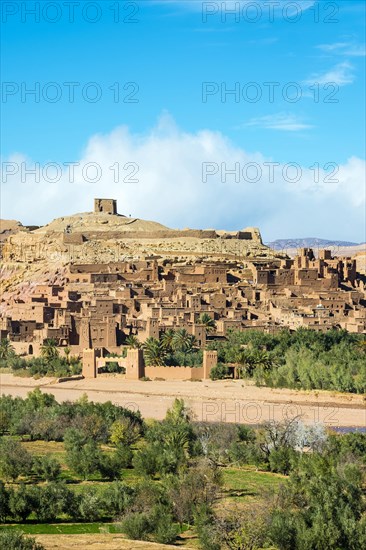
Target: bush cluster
{"type": "Point", "coordinates": [178, 466]}
{"type": "Point", "coordinates": [304, 359]}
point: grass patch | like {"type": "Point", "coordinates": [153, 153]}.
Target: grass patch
{"type": "Point", "coordinates": [62, 528]}
{"type": "Point", "coordinates": [249, 484]}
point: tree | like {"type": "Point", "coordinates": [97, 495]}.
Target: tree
{"type": "Point", "coordinates": [247, 531]}
{"type": "Point", "coordinates": [90, 504]}
{"type": "Point", "coordinates": [183, 341]}
{"type": "Point", "coordinates": [178, 413]}
{"type": "Point", "coordinates": [137, 526]}
{"type": "Point", "coordinates": [167, 339]}
{"type": "Point", "coordinates": [14, 459]}
{"type": "Point", "coordinates": [281, 460]}
{"type": "Point", "coordinates": [168, 442]}
{"type": "Point", "coordinates": [6, 349]}
{"type": "Point", "coordinates": [118, 498]}
{"type": "Point", "coordinates": [274, 435]}
{"type": "Point", "coordinates": [86, 460]}
{"type": "Point", "coordinates": [197, 486]}
{"type": "Point", "coordinates": [4, 502]}
{"type": "Point", "coordinates": [111, 464]}
{"type": "Point", "coordinates": [145, 461]}
{"type": "Point", "coordinates": [176, 430]}
{"type": "Point", "coordinates": [133, 342]}
{"type": "Point", "coordinates": [165, 531]}
{"type": "Point", "coordinates": [154, 352]}
{"type": "Point", "coordinates": [47, 467]}
{"type": "Point", "coordinates": [21, 502]}
{"type": "Point", "coordinates": [207, 321]}
{"type": "Point", "coordinates": [321, 507]}
{"type": "Point", "coordinates": [252, 360]}
{"type": "Point", "coordinates": [82, 454]}
{"type": "Point", "coordinates": [37, 400]}
{"type": "Point", "coordinates": [215, 440]}
{"type": "Point", "coordinates": [15, 540]}
{"type": "Point", "coordinates": [124, 431]}
{"type": "Point", "coordinates": [67, 352]}
{"type": "Point", "coordinates": [219, 372]}
{"type": "Point", "coordinates": [52, 500]}
{"type": "Point", "coordinates": [49, 349]}
{"type": "Point", "coordinates": [206, 527]}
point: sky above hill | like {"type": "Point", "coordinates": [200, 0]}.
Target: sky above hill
{"type": "Point", "coordinates": [195, 114]}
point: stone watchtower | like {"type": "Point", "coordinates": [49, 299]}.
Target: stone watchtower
{"type": "Point", "coordinates": [209, 362]}
{"type": "Point", "coordinates": [134, 364]}
{"type": "Point", "coordinates": [89, 363]}
{"type": "Point", "coordinates": [105, 206]}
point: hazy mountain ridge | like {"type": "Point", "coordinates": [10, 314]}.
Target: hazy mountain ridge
{"type": "Point", "coordinates": [307, 242]}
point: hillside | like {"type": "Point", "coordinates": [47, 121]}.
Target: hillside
{"type": "Point", "coordinates": [43, 254]}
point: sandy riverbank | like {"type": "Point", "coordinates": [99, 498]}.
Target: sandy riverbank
{"type": "Point", "coordinates": [226, 400]}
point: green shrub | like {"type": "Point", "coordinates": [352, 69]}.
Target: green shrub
{"type": "Point", "coordinates": [137, 526]}
{"type": "Point", "coordinates": [20, 502]}
{"type": "Point", "coordinates": [219, 372]}
{"type": "Point", "coordinates": [281, 460]}
{"type": "Point", "coordinates": [113, 366]}
{"type": "Point", "coordinates": [15, 540]}
{"type": "Point", "coordinates": [165, 531]}
{"type": "Point", "coordinates": [117, 498]}
{"type": "Point", "coordinates": [90, 505]}
{"type": "Point", "coordinates": [14, 459]}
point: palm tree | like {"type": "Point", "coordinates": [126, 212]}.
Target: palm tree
{"type": "Point", "coordinates": [67, 352]}
{"type": "Point", "coordinates": [247, 363]}
{"type": "Point", "coordinates": [154, 352]}
{"type": "Point", "coordinates": [49, 349]}
{"type": "Point", "coordinates": [178, 418]}
{"type": "Point", "coordinates": [252, 359]}
{"type": "Point", "coordinates": [207, 321]}
{"type": "Point", "coordinates": [178, 438]}
{"type": "Point", "coordinates": [133, 342]}
{"type": "Point", "coordinates": [6, 349]}
{"type": "Point", "coordinates": [178, 412]}
{"type": "Point", "coordinates": [167, 339]}
{"type": "Point", "coordinates": [183, 341]}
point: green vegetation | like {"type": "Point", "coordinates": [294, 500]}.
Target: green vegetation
{"type": "Point", "coordinates": [207, 321]}
{"type": "Point", "coordinates": [49, 364]}
{"type": "Point", "coordinates": [15, 540]}
{"type": "Point", "coordinates": [175, 348]}
{"type": "Point", "coordinates": [60, 528]}
{"type": "Point", "coordinates": [83, 467]}
{"type": "Point", "coordinates": [305, 359]}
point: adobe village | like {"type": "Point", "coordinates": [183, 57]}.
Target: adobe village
{"type": "Point", "coordinates": [95, 282]}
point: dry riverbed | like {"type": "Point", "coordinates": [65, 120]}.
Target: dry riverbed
{"type": "Point", "coordinates": [223, 400]}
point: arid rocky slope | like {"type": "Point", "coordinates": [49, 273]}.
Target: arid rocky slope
{"type": "Point", "coordinates": [41, 255]}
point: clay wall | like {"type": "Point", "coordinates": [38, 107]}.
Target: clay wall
{"type": "Point", "coordinates": [174, 373]}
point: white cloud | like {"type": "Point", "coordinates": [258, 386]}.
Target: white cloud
{"type": "Point", "coordinates": [349, 49]}
{"type": "Point", "coordinates": [341, 74]}
{"type": "Point", "coordinates": [170, 187]}
{"type": "Point", "coordinates": [280, 121]}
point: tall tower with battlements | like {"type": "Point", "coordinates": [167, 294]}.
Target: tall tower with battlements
{"type": "Point", "coordinates": [105, 206]}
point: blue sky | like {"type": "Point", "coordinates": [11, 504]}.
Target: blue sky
{"type": "Point", "coordinates": [163, 52]}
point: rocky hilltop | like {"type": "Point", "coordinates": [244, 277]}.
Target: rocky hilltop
{"type": "Point", "coordinates": [99, 237]}
{"type": "Point", "coordinates": [43, 254]}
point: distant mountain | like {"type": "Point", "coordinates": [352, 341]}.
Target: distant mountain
{"type": "Point", "coordinates": [307, 242]}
